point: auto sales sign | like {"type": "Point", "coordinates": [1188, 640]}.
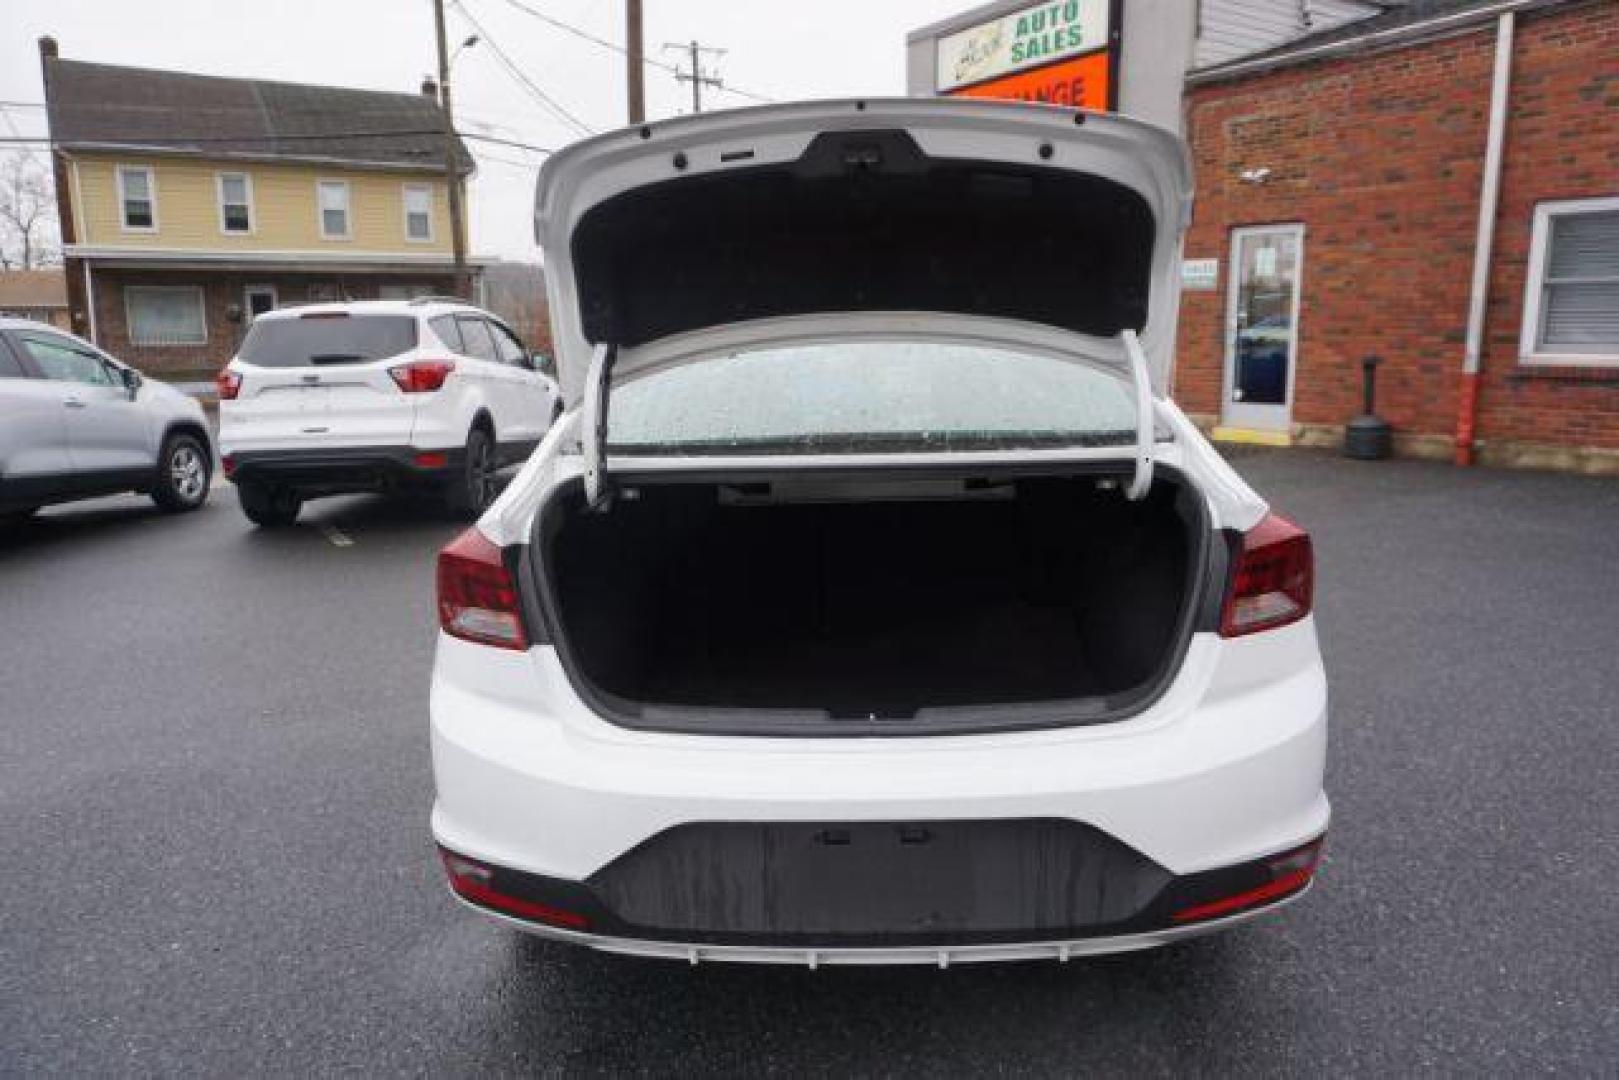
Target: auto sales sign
{"type": "Point", "coordinates": [1062, 52]}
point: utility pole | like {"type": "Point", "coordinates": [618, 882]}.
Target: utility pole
{"type": "Point", "coordinates": [634, 61]}
{"type": "Point", "coordinates": [696, 76]}
{"type": "Point", "coordinates": [452, 171]}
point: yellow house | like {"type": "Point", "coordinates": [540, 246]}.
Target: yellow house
{"type": "Point", "coordinates": [191, 203]}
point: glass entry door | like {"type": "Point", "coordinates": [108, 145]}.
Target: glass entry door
{"type": "Point", "coordinates": [1262, 319]}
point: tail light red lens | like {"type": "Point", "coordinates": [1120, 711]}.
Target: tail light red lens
{"type": "Point", "coordinates": [476, 882]}
{"type": "Point", "coordinates": [422, 376]}
{"type": "Point", "coordinates": [1274, 581]}
{"type": "Point", "coordinates": [1289, 872]}
{"type": "Point", "coordinates": [229, 384]}
{"type": "Point", "coordinates": [477, 598]}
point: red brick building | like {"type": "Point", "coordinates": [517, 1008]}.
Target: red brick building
{"type": "Point", "coordinates": [1340, 184]}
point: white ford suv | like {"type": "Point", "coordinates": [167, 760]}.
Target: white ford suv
{"type": "Point", "coordinates": [872, 603]}
{"type": "Point", "coordinates": [380, 395]}
{"type": "Point", "coordinates": [76, 423]}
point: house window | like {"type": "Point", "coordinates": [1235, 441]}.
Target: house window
{"type": "Point", "coordinates": [165, 315]}
{"type": "Point", "coordinates": [235, 203]}
{"type": "Point", "coordinates": [334, 209]}
{"type": "Point", "coordinates": [1571, 306]}
{"type": "Point", "coordinates": [137, 198]}
{"type": "Point", "coordinates": [403, 292]}
{"type": "Point", "coordinates": [419, 212]}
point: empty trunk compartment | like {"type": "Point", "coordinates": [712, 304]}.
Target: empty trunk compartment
{"type": "Point", "coordinates": [854, 606]}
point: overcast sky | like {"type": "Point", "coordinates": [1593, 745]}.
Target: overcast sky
{"type": "Point", "coordinates": [777, 49]}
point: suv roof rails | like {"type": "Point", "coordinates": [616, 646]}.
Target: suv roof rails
{"type": "Point", "coordinates": [441, 300]}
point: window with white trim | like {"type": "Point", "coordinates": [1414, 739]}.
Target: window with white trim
{"type": "Point", "coordinates": [137, 198]}
{"type": "Point", "coordinates": [1571, 302]}
{"type": "Point", "coordinates": [334, 209]}
{"type": "Point", "coordinates": [165, 315]}
{"type": "Point", "coordinates": [235, 203]}
{"type": "Point", "coordinates": [419, 213]}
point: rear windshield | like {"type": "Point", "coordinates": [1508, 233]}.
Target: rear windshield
{"type": "Point", "coordinates": [313, 340]}
{"type": "Point", "coordinates": [863, 397]}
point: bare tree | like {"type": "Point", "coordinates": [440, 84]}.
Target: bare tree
{"type": "Point", "coordinates": [28, 230]}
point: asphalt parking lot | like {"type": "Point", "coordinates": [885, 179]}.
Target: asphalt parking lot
{"type": "Point", "coordinates": [215, 794]}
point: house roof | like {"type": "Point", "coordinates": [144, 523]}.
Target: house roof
{"type": "Point", "coordinates": [103, 106]}
{"type": "Point", "coordinates": [33, 289]}
{"type": "Point", "coordinates": [1397, 21]}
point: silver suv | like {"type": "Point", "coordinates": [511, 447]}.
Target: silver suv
{"type": "Point", "coordinates": [75, 423]}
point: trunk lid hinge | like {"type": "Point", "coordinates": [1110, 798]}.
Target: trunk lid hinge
{"type": "Point", "coordinates": [1146, 427]}
{"type": "Point", "coordinates": [593, 423]}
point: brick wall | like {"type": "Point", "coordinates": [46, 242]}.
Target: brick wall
{"type": "Point", "coordinates": [221, 290]}
{"type": "Point", "coordinates": [1380, 156]}
{"type": "Point", "coordinates": [1562, 143]}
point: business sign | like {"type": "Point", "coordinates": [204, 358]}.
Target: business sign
{"type": "Point", "coordinates": [1082, 83]}
{"type": "Point", "coordinates": [1036, 36]}
{"type": "Point", "coordinates": [1200, 275]}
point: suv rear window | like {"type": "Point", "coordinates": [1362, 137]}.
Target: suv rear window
{"type": "Point", "coordinates": [310, 340]}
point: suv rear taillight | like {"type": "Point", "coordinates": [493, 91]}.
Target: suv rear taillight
{"type": "Point", "coordinates": [477, 598]}
{"type": "Point", "coordinates": [1274, 579]}
{"type": "Point", "coordinates": [422, 376]}
{"type": "Point", "coordinates": [229, 384]}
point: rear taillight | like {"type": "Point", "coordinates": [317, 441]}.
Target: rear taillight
{"type": "Point", "coordinates": [1274, 579]}
{"type": "Point", "coordinates": [422, 376]}
{"type": "Point", "coordinates": [229, 384]}
{"type": "Point", "coordinates": [1288, 873]}
{"type": "Point", "coordinates": [477, 598]}
{"type": "Point", "coordinates": [474, 881]}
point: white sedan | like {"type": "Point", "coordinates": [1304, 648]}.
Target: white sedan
{"type": "Point", "coordinates": [871, 602]}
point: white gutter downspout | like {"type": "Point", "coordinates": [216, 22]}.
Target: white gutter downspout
{"type": "Point", "coordinates": [1489, 199]}
{"type": "Point", "coordinates": [90, 303]}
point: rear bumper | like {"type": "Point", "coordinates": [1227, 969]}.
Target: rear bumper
{"type": "Point", "coordinates": [554, 803]}
{"type": "Point", "coordinates": [331, 471]}
{"type": "Point", "coordinates": [942, 956]}
{"type": "Point", "coordinates": [1080, 893]}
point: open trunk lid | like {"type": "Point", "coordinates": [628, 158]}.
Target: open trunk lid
{"type": "Point", "coordinates": [663, 238]}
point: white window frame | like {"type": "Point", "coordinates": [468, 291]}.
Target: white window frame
{"type": "Point", "coordinates": [404, 198]}
{"type": "Point", "coordinates": [129, 315]}
{"type": "Point", "coordinates": [151, 194]}
{"type": "Point", "coordinates": [1530, 352]}
{"type": "Point", "coordinates": [348, 209]}
{"type": "Point", "coordinates": [247, 188]}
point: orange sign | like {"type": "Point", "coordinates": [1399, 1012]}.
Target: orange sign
{"type": "Point", "coordinates": [1081, 82]}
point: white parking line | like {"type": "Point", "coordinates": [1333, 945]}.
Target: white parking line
{"type": "Point", "coordinates": [335, 535]}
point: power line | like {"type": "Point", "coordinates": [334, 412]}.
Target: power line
{"type": "Point", "coordinates": [484, 155]}
{"type": "Point", "coordinates": [506, 142]}
{"type": "Point", "coordinates": [190, 140]}
{"type": "Point", "coordinates": [586, 35]}
{"type": "Point", "coordinates": [182, 141]}
{"type": "Point", "coordinates": [512, 69]}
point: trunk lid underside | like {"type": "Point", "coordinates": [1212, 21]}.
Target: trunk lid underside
{"type": "Point", "coordinates": [1010, 213]}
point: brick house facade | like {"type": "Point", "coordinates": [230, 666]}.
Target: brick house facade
{"type": "Point", "coordinates": [1376, 147]}
{"type": "Point", "coordinates": [224, 294]}
{"type": "Point", "coordinates": [190, 202]}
